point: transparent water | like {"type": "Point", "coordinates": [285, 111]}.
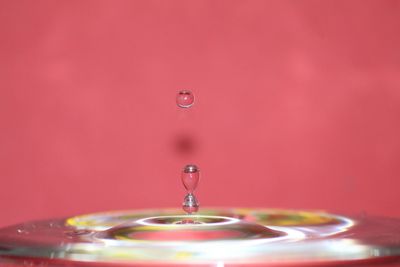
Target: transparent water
{"type": "Point", "coordinates": [216, 236]}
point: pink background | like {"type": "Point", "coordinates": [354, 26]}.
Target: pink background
{"type": "Point", "coordinates": [297, 105]}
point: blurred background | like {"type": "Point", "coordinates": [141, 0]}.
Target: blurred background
{"type": "Point", "coordinates": [297, 105]}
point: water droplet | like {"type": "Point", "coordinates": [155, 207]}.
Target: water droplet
{"type": "Point", "coordinates": [190, 177]}
{"type": "Point", "coordinates": [185, 99]}
{"type": "Point", "coordinates": [190, 204]}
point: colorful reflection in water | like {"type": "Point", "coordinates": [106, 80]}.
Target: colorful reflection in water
{"type": "Point", "coordinates": [216, 235]}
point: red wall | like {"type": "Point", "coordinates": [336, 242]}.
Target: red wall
{"type": "Point", "coordinates": [298, 105]}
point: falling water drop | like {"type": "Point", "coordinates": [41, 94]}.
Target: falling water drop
{"type": "Point", "coordinates": [185, 99]}
{"type": "Point", "coordinates": [190, 178]}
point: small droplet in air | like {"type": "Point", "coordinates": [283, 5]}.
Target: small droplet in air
{"type": "Point", "coordinates": [185, 99]}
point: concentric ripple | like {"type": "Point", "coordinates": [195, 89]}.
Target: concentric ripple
{"type": "Point", "coordinates": [188, 228]}
{"type": "Point", "coordinates": [261, 236]}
